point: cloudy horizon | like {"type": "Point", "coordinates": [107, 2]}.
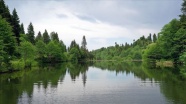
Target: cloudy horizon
{"type": "Point", "coordinates": [103, 22]}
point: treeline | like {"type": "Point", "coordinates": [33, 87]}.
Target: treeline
{"type": "Point", "coordinates": [22, 49]}
{"type": "Point", "coordinates": [125, 51]}
{"type": "Point", "coordinates": [169, 44]}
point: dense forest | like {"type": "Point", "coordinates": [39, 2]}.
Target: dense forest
{"type": "Point", "coordinates": [20, 49]}
{"type": "Point", "coordinates": [169, 44]}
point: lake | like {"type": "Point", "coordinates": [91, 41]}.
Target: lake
{"type": "Point", "coordinates": [94, 83]}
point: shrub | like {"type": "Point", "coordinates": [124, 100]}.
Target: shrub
{"type": "Point", "coordinates": [17, 64]}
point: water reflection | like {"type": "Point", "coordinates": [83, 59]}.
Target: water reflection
{"type": "Point", "coordinates": [172, 83]}
{"type": "Point", "coordinates": [98, 82]}
{"type": "Point", "coordinates": [76, 69]}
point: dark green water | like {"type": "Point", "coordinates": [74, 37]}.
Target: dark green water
{"type": "Point", "coordinates": [98, 83]}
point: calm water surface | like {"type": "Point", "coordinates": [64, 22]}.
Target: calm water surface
{"type": "Point", "coordinates": [98, 83]}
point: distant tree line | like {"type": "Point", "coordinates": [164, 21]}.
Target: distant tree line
{"type": "Point", "coordinates": [168, 44]}
{"type": "Point", "coordinates": [125, 51]}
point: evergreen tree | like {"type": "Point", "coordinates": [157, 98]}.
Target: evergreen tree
{"type": "Point", "coordinates": [62, 45]}
{"type": "Point", "coordinates": [183, 15]}
{"type": "Point", "coordinates": [16, 26]}
{"type": "Point", "coordinates": [4, 12]}
{"type": "Point", "coordinates": [30, 33]}
{"type": "Point", "coordinates": [7, 40]}
{"type": "Point", "coordinates": [149, 38]}
{"type": "Point", "coordinates": [22, 31]}
{"type": "Point", "coordinates": [183, 9]}
{"type": "Point", "coordinates": [154, 37]}
{"type": "Point", "coordinates": [2, 52]}
{"type": "Point", "coordinates": [38, 37]}
{"type": "Point", "coordinates": [73, 44]}
{"type": "Point", "coordinates": [54, 36]}
{"type": "Point", "coordinates": [84, 43]}
{"type": "Point", "coordinates": [46, 37]}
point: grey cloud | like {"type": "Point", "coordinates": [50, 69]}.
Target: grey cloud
{"type": "Point", "coordinates": [80, 28]}
{"type": "Point", "coordinates": [130, 13]}
{"type": "Point", "coordinates": [61, 16]}
{"type": "Point", "coordinates": [127, 13]}
{"type": "Point", "coordinates": [86, 18]}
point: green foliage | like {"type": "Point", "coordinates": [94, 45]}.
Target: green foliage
{"type": "Point", "coordinates": [7, 41]}
{"type": "Point", "coordinates": [23, 37]}
{"type": "Point", "coordinates": [154, 38]}
{"type": "Point", "coordinates": [31, 33]}
{"type": "Point", "coordinates": [166, 39]}
{"type": "Point", "coordinates": [27, 51]}
{"type": "Point", "coordinates": [74, 54]}
{"type": "Point", "coordinates": [78, 54]}
{"type": "Point", "coordinates": [46, 37]}
{"type": "Point", "coordinates": [53, 51]}
{"type": "Point", "coordinates": [54, 36]}
{"type": "Point", "coordinates": [4, 12]}
{"type": "Point", "coordinates": [62, 46]}
{"type": "Point", "coordinates": [182, 58]}
{"type": "Point", "coordinates": [41, 49]}
{"type": "Point", "coordinates": [84, 50]}
{"type": "Point", "coordinates": [16, 26]}
{"type": "Point", "coordinates": [123, 52]}
{"type": "Point", "coordinates": [171, 43]}
{"type": "Point", "coordinates": [17, 64]}
{"type": "Point", "coordinates": [38, 37]}
{"type": "Point", "coordinates": [22, 31]}
{"type": "Point", "coordinates": [45, 48]}
{"type": "Point", "coordinates": [151, 52]}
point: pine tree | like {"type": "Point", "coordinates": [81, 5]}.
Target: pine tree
{"type": "Point", "coordinates": [62, 45]}
{"type": "Point", "coordinates": [4, 12]}
{"type": "Point", "coordinates": [154, 37]}
{"type": "Point", "coordinates": [183, 9]}
{"type": "Point", "coordinates": [46, 37]}
{"type": "Point", "coordinates": [183, 15]}
{"type": "Point", "coordinates": [84, 43]}
{"type": "Point", "coordinates": [54, 36]}
{"type": "Point", "coordinates": [16, 26]}
{"type": "Point", "coordinates": [30, 34]}
{"type": "Point", "coordinates": [149, 38]}
{"type": "Point", "coordinates": [38, 37]}
{"type": "Point", "coordinates": [73, 43]}
{"type": "Point", "coordinates": [22, 29]}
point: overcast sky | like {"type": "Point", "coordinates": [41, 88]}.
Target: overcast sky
{"type": "Point", "coordinates": [103, 22]}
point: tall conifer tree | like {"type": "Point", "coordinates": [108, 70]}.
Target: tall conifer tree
{"type": "Point", "coordinates": [46, 37]}
{"type": "Point", "coordinates": [31, 33]}
{"type": "Point", "coordinates": [16, 26]}
{"type": "Point", "coordinates": [84, 43]}
{"type": "Point", "coordinates": [22, 29]}
{"type": "Point", "coordinates": [38, 37]}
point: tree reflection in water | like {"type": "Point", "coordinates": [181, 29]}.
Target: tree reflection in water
{"type": "Point", "coordinates": [19, 87]}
